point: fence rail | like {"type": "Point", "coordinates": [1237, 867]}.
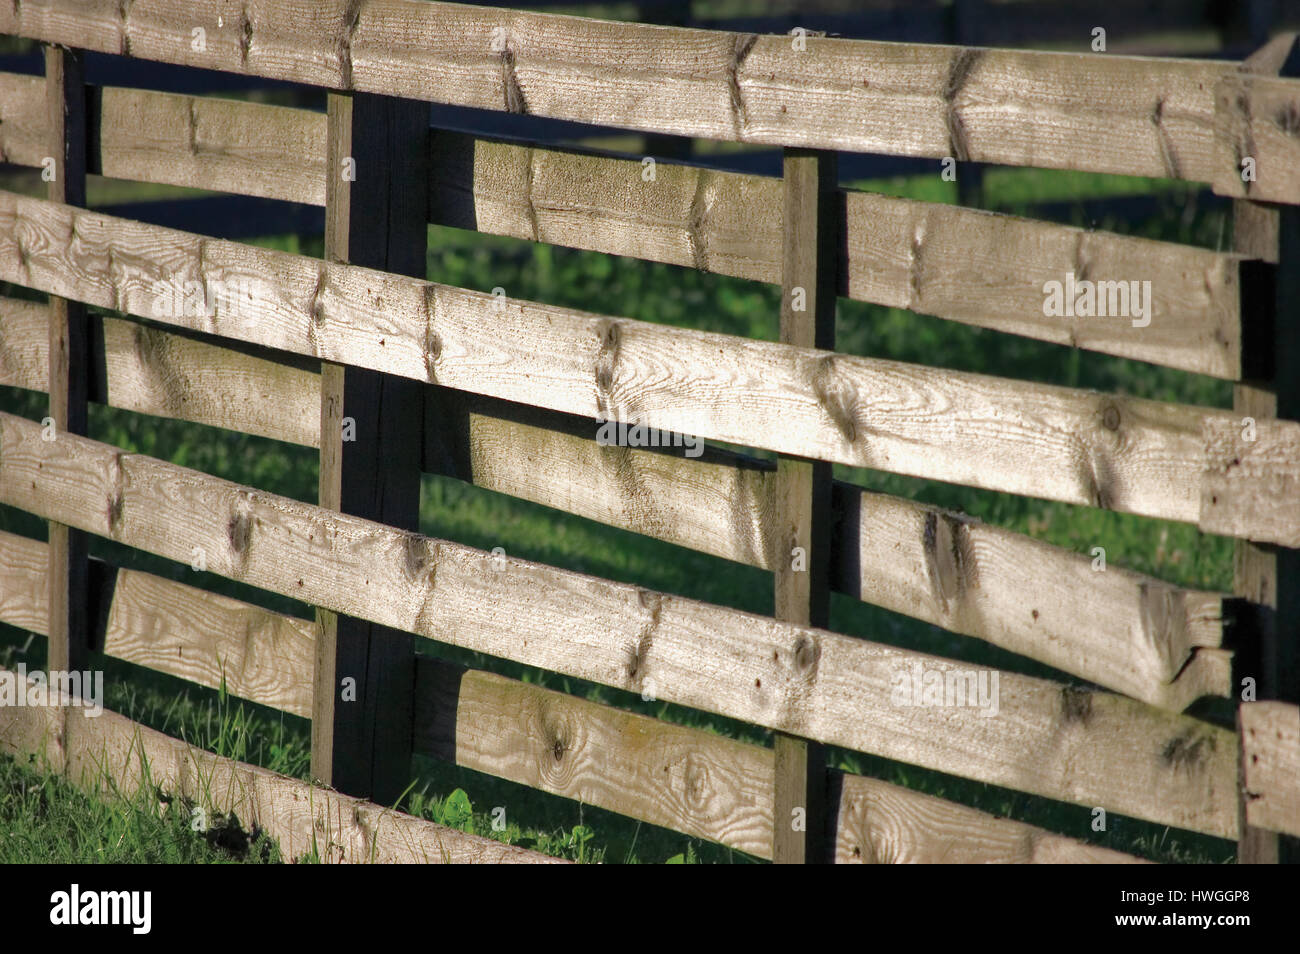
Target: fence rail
{"type": "Point", "coordinates": [505, 391]}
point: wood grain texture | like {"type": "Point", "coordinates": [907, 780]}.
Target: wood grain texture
{"type": "Point", "coordinates": [1157, 643]}
{"type": "Point", "coordinates": [1082, 447]}
{"type": "Point", "coordinates": [1252, 484]}
{"type": "Point", "coordinates": [24, 599]}
{"type": "Point", "coordinates": [1090, 748]}
{"type": "Point", "coordinates": [153, 371]}
{"type": "Point", "coordinates": [981, 268]}
{"type": "Point", "coordinates": [107, 755]}
{"type": "Point", "coordinates": [1270, 753]}
{"type": "Point", "coordinates": [1257, 117]}
{"type": "Point", "coordinates": [23, 119]}
{"type": "Point", "coordinates": [69, 354]}
{"type": "Point", "coordinates": [801, 491]}
{"type": "Point", "coordinates": [1127, 115]}
{"type": "Point", "coordinates": [881, 823]}
{"type": "Point", "coordinates": [223, 145]}
{"type": "Point", "coordinates": [692, 781]}
{"type": "Point", "coordinates": [177, 629]}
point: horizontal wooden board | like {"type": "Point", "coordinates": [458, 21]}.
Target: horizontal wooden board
{"type": "Point", "coordinates": [1270, 759]}
{"type": "Point", "coordinates": [1252, 487]}
{"type": "Point", "coordinates": [23, 119]}
{"type": "Point", "coordinates": [1064, 444]}
{"type": "Point", "coordinates": [692, 781]}
{"type": "Point", "coordinates": [153, 371]}
{"type": "Point", "coordinates": [1257, 119]}
{"type": "Point", "coordinates": [689, 780]}
{"type": "Point", "coordinates": [24, 597]}
{"type": "Point", "coordinates": [169, 627]}
{"type": "Point", "coordinates": [881, 823]}
{"type": "Point", "coordinates": [111, 755]}
{"type": "Point", "coordinates": [1127, 115]}
{"type": "Point", "coordinates": [1047, 739]}
{"type": "Point", "coordinates": [981, 268]}
{"type": "Point", "coordinates": [1152, 641]}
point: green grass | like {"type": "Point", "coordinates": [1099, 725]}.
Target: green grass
{"type": "Point", "coordinates": [40, 817]}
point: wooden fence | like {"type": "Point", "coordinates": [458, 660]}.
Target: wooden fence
{"type": "Point", "coordinates": [502, 393]}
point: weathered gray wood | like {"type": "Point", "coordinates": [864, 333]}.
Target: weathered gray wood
{"type": "Point", "coordinates": [993, 266]}
{"type": "Point", "coordinates": [203, 637]}
{"type": "Point", "coordinates": [881, 823]}
{"type": "Point", "coordinates": [24, 597]}
{"type": "Point", "coordinates": [69, 358]}
{"type": "Point", "coordinates": [24, 129]}
{"type": "Point", "coordinates": [1127, 115]}
{"type": "Point", "coordinates": [689, 780]}
{"type": "Point", "coordinates": [223, 145]}
{"type": "Point", "coordinates": [1157, 643]}
{"type": "Point", "coordinates": [980, 268]}
{"type": "Point", "coordinates": [1266, 576]}
{"type": "Point", "coordinates": [703, 784]}
{"type": "Point", "coordinates": [1090, 748]}
{"type": "Point", "coordinates": [152, 371]}
{"type": "Point", "coordinates": [1256, 119]}
{"type": "Point", "coordinates": [1270, 759]}
{"type": "Point", "coordinates": [111, 756]}
{"type": "Point", "coordinates": [1252, 482]}
{"type": "Point", "coordinates": [1058, 443]}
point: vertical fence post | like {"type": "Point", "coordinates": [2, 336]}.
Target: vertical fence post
{"type": "Point", "coordinates": [65, 170]}
{"type": "Point", "coordinates": [376, 207]}
{"type": "Point", "coordinates": [1269, 576]}
{"type": "Point", "coordinates": [802, 496]}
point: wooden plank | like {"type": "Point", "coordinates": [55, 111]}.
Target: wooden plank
{"type": "Point", "coordinates": [692, 781]}
{"type": "Point", "coordinates": [1270, 758]}
{"type": "Point", "coordinates": [370, 427]}
{"type": "Point", "coordinates": [1089, 748]}
{"type": "Point", "coordinates": [1064, 444]}
{"type": "Point", "coordinates": [881, 823]}
{"type": "Point", "coordinates": [1157, 643]}
{"type": "Point", "coordinates": [1252, 482]}
{"type": "Point", "coordinates": [69, 357]}
{"type": "Point", "coordinates": [1126, 115]}
{"type": "Point", "coordinates": [1267, 577]}
{"type": "Point", "coordinates": [24, 130]}
{"type": "Point", "coordinates": [111, 756]}
{"type": "Point", "coordinates": [1257, 119]}
{"type": "Point", "coordinates": [227, 146]}
{"type": "Point", "coordinates": [696, 782]}
{"type": "Point", "coordinates": [994, 266]}
{"type": "Point", "coordinates": [153, 371]}
{"type": "Point", "coordinates": [801, 494]}
{"type": "Point", "coordinates": [980, 268]}
{"type": "Point", "coordinates": [24, 597]}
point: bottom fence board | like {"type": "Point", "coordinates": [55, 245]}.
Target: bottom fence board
{"type": "Point", "coordinates": [110, 754]}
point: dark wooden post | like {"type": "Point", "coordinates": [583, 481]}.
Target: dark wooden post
{"type": "Point", "coordinates": [65, 170]}
{"type": "Point", "coordinates": [802, 495]}
{"type": "Point", "coordinates": [376, 206]}
{"type": "Point", "coordinates": [1269, 576]}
